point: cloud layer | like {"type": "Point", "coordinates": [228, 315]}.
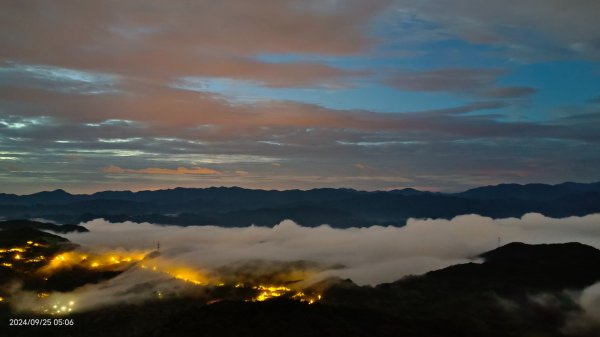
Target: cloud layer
{"type": "Point", "coordinates": [291, 253]}
{"type": "Point", "coordinates": [368, 255]}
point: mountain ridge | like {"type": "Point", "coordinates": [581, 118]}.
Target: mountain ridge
{"type": "Point", "coordinates": [568, 184]}
{"type": "Point", "coordinates": [338, 207]}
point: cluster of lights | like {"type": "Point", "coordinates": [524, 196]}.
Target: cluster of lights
{"type": "Point", "coordinates": [181, 273]}
{"type": "Point", "coordinates": [59, 308]}
{"type": "Point", "coordinates": [14, 249]}
{"type": "Point", "coordinates": [265, 292]}
{"type": "Point", "coordinates": [270, 292]}
{"type": "Point", "coordinates": [108, 260]}
{"type": "Point", "coordinates": [20, 254]}
{"type": "Point", "coordinates": [122, 260]}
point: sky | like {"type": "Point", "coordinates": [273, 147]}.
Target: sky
{"type": "Point", "coordinates": [283, 94]}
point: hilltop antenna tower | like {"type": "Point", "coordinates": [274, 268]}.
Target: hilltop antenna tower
{"type": "Point", "coordinates": [158, 246]}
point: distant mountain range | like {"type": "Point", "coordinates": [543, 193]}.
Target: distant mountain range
{"type": "Point", "coordinates": [234, 206]}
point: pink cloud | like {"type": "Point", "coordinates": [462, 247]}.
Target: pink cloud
{"type": "Point", "coordinates": [166, 39]}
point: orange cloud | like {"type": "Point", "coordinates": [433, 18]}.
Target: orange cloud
{"type": "Point", "coordinates": [162, 171]}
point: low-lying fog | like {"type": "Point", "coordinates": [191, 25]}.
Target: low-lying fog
{"type": "Point", "coordinates": [368, 255]}
{"type": "Point", "coordinates": [289, 252]}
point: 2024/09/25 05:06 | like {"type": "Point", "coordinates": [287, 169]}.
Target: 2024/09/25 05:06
{"type": "Point", "coordinates": [41, 321]}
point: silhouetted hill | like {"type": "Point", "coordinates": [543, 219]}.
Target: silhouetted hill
{"type": "Point", "coordinates": [234, 206]}
{"type": "Point", "coordinates": [539, 192]}
{"type": "Point", "coordinates": [547, 254]}
{"type": "Point", "coordinates": [521, 267]}
{"type": "Point", "coordinates": [514, 269]}
{"type": "Point", "coordinates": [519, 290]}
{"type": "Point", "coordinates": [51, 197]}
{"type": "Point", "coordinates": [22, 224]}
{"type": "Point", "coordinates": [31, 244]}
{"type": "Point", "coordinates": [19, 236]}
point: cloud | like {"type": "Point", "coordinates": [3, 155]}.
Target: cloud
{"type": "Point", "coordinates": [481, 82]}
{"type": "Point", "coordinates": [263, 119]}
{"type": "Point", "coordinates": [58, 79]}
{"type": "Point", "coordinates": [112, 91]}
{"type": "Point", "coordinates": [510, 92]}
{"type": "Point", "coordinates": [590, 302]}
{"type": "Point", "coordinates": [200, 131]}
{"type": "Point", "coordinates": [162, 39]}
{"type": "Point", "coordinates": [457, 79]}
{"type": "Point", "coordinates": [286, 252]}
{"type": "Point", "coordinates": [588, 320]}
{"type": "Point", "coordinates": [289, 252]}
{"type": "Point", "coordinates": [527, 30]}
{"type": "Point", "coordinates": [112, 169]}
{"type": "Point", "coordinates": [370, 255]}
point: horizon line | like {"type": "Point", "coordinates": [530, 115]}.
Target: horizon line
{"type": "Point", "coordinates": [300, 189]}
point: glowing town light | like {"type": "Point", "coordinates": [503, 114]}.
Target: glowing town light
{"type": "Point", "coordinates": [119, 260]}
